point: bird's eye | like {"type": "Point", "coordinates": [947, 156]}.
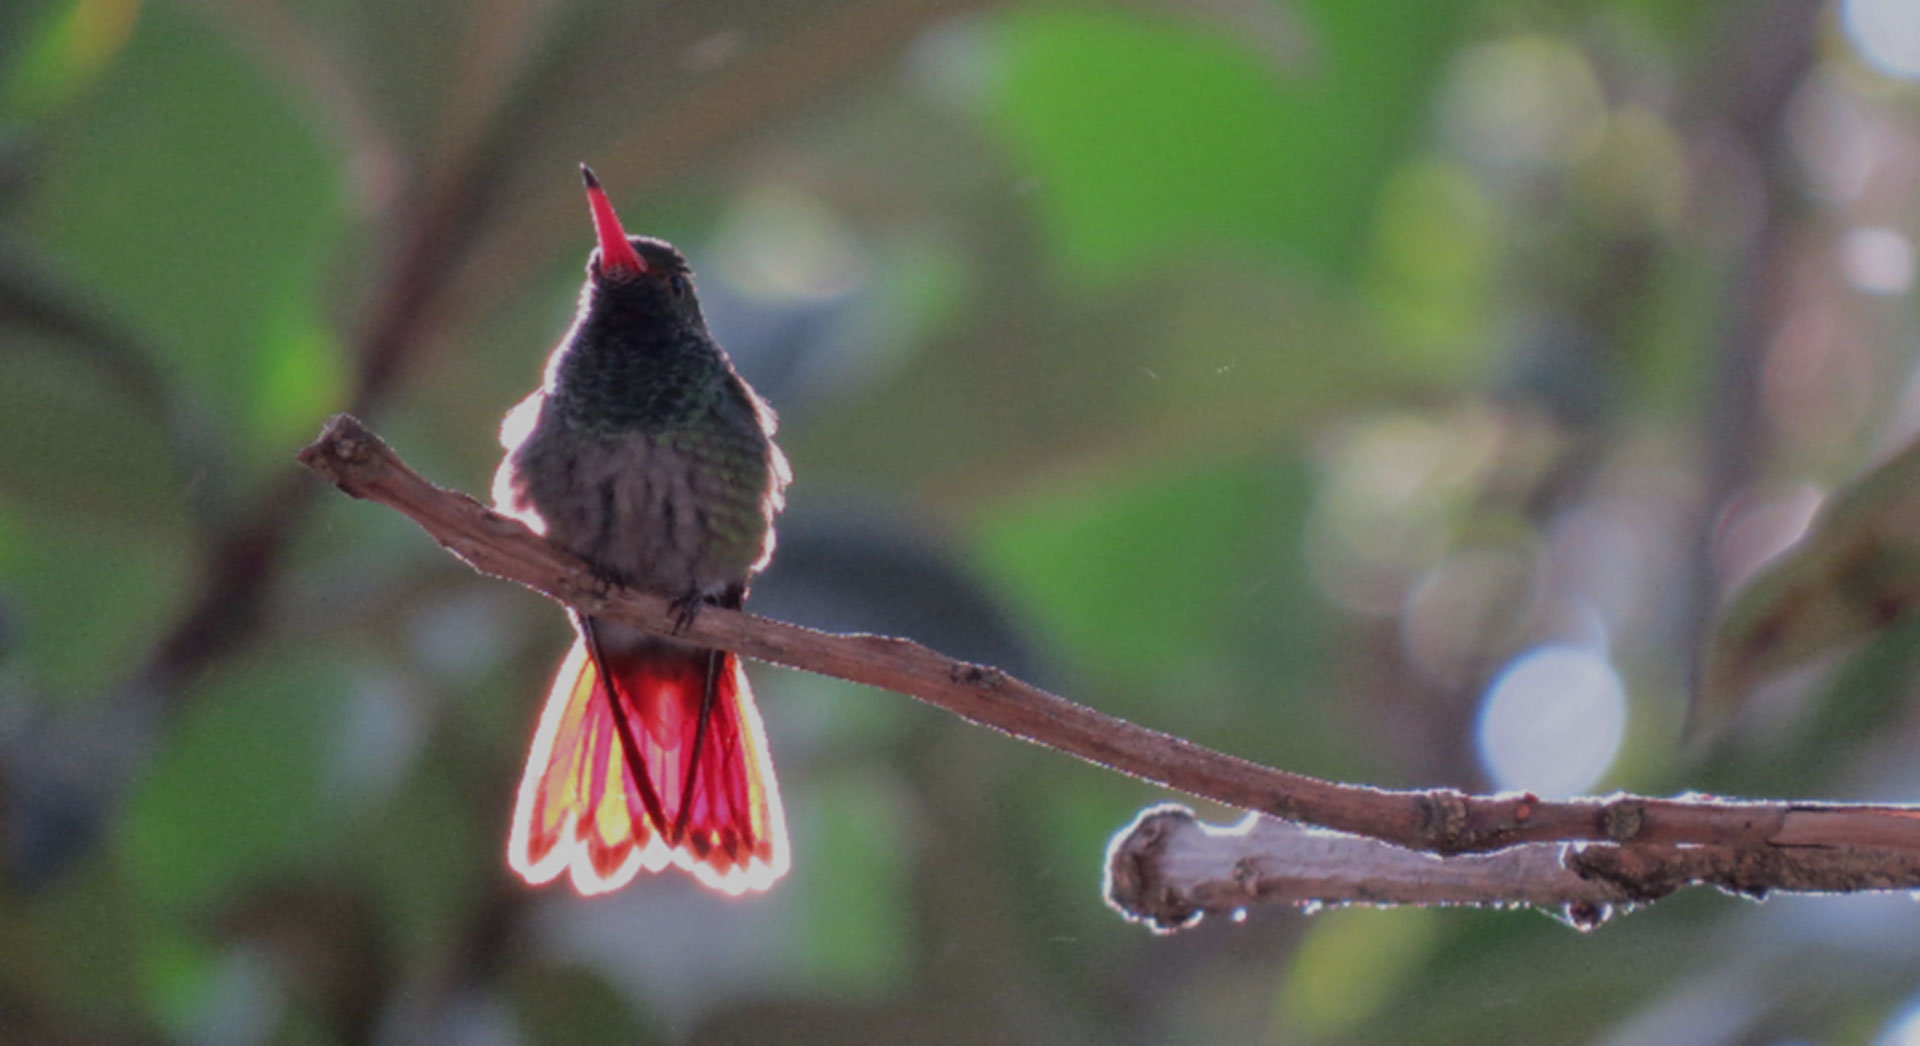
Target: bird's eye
{"type": "Point", "coordinates": [679, 285]}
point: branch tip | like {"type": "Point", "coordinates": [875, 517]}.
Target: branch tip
{"type": "Point", "coordinates": [345, 451]}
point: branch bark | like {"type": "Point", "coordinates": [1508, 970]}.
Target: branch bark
{"type": "Point", "coordinates": [1168, 869]}
{"type": "Point", "coordinates": [1652, 845]}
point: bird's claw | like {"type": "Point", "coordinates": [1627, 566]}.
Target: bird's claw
{"type": "Point", "coordinates": [684, 610]}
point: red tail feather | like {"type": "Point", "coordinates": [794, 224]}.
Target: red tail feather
{"type": "Point", "coordinates": [581, 808]}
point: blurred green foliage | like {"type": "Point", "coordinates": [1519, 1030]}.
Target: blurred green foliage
{"type": "Point", "coordinates": [1149, 136]}
{"type": "Point", "coordinates": [229, 227]}
{"type": "Point", "coordinates": [1271, 374]}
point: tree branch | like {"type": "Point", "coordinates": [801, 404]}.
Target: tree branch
{"type": "Point", "coordinates": [1745, 845]}
{"type": "Point", "coordinates": [1168, 869]}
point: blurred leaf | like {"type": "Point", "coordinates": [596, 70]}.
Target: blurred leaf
{"type": "Point", "coordinates": [1867, 696]}
{"type": "Point", "coordinates": [1856, 569]}
{"type": "Point", "coordinates": [859, 933]}
{"type": "Point", "coordinates": [70, 43]}
{"type": "Point", "coordinates": [79, 604]}
{"type": "Point", "coordinates": [68, 949]}
{"type": "Point", "coordinates": [1434, 247]}
{"type": "Point", "coordinates": [82, 448]}
{"type": "Point", "coordinates": [237, 791]}
{"type": "Point", "coordinates": [1061, 844]}
{"type": "Point", "coordinates": [1352, 964]}
{"type": "Point", "coordinates": [1154, 579]}
{"type": "Point", "coordinates": [234, 800]}
{"type": "Point", "coordinates": [178, 968]}
{"type": "Point", "coordinates": [298, 382]}
{"type": "Point", "coordinates": [1860, 703]}
{"type": "Point", "coordinates": [195, 202]}
{"type": "Point", "coordinates": [570, 1006]}
{"type": "Point", "coordinates": [1484, 974]}
{"type": "Point", "coordinates": [429, 859]}
{"type": "Point", "coordinates": [1144, 136]}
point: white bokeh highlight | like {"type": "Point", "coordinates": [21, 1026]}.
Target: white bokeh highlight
{"type": "Point", "coordinates": [1904, 1029]}
{"type": "Point", "coordinates": [1886, 33]}
{"type": "Point", "coordinates": [1552, 721]}
{"type": "Point", "coordinates": [1877, 260]}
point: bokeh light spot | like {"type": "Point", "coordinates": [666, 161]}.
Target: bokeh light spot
{"type": "Point", "coordinates": [1877, 260]}
{"type": "Point", "coordinates": [1529, 102]}
{"type": "Point", "coordinates": [1553, 721]}
{"type": "Point", "coordinates": [1392, 488]}
{"type": "Point", "coordinates": [1461, 607]}
{"type": "Point", "coordinates": [1832, 140]}
{"type": "Point", "coordinates": [781, 244]}
{"type": "Point", "coordinates": [1904, 1030]}
{"type": "Point", "coordinates": [1886, 33]}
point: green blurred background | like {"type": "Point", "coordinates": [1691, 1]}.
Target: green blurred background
{"type": "Point", "coordinates": [1381, 390]}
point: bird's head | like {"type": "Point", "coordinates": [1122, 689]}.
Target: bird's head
{"type": "Point", "coordinates": [635, 272]}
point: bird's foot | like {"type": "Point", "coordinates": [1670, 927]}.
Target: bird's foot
{"type": "Point", "coordinates": [685, 609]}
{"type": "Point", "coordinates": [610, 580]}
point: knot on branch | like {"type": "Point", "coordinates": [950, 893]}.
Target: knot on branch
{"type": "Point", "coordinates": [1445, 821]}
{"type": "Point", "coordinates": [1643, 873]}
{"type": "Point", "coordinates": [1622, 819]}
{"type": "Point", "coordinates": [982, 676]}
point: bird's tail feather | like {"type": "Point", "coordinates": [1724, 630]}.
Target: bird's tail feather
{"type": "Point", "coordinates": [668, 765]}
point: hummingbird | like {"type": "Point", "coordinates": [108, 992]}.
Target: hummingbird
{"type": "Point", "coordinates": [647, 455]}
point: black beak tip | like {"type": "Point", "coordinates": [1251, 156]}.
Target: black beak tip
{"type": "Point", "coordinates": [586, 175]}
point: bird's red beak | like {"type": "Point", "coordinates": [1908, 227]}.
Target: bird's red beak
{"type": "Point", "coordinates": [616, 254]}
